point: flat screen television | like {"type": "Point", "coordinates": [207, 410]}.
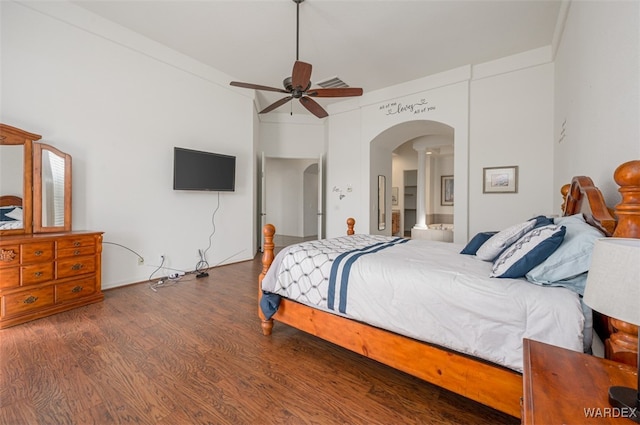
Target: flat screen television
{"type": "Point", "coordinates": [197, 170]}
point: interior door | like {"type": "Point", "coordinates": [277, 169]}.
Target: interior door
{"type": "Point", "coordinates": [320, 199]}
{"type": "Point", "coordinates": [263, 198]}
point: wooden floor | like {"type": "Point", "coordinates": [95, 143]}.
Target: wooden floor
{"type": "Point", "coordinates": [192, 353]}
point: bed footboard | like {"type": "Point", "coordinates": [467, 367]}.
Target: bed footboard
{"type": "Point", "coordinates": [267, 258]}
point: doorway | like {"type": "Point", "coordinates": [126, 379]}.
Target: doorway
{"type": "Point", "coordinates": [291, 199]}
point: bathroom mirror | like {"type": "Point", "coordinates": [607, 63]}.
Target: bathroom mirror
{"type": "Point", "coordinates": [52, 189]}
{"type": "Point", "coordinates": [382, 205]}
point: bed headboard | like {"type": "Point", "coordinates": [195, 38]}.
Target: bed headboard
{"type": "Point", "coordinates": [582, 196]}
{"type": "Point", "coordinates": [10, 200]}
{"type": "Point", "coordinates": [623, 221]}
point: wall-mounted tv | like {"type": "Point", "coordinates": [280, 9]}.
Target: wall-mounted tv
{"type": "Point", "coordinates": [197, 170]}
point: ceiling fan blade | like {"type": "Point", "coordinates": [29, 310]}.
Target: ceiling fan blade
{"type": "Point", "coordinates": [256, 87]}
{"type": "Point", "coordinates": [276, 104]}
{"type": "Point", "coordinates": [335, 92]}
{"type": "Point", "coordinates": [313, 107]}
{"type": "Point", "coordinates": [301, 75]}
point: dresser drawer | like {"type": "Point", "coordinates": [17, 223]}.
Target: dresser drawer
{"type": "Point", "coordinates": [36, 273]}
{"type": "Point", "coordinates": [76, 289]}
{"type": "Point", "coordinates": [75, 266]}
{"type": "Point", "coordinates": [36, 252]}
{"type": "Point", "coordinates": [25, 301]}
{"type": "Point", "coordinates": [76, 242]}
{"type": "Point", "coordinates": [78, 251]}
{"type": "Point", "coordinates": [10, 255]}
{"type": "Point", "coordinates": [9, 276]}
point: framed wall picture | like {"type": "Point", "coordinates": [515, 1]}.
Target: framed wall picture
{"type": "Point", "coordinates": [394, 196]}
{"type": "Point", "coordinates": [500, 179]}
{"type": "Point", "coordinates": [446, 190]}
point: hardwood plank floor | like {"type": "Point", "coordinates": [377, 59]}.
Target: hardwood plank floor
{"type": "Point", "coordinates": [193, 353]}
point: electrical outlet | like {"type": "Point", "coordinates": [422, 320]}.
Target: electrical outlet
{"type": "Point", "coordinates": [140, 261]}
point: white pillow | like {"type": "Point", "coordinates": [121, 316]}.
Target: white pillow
{"type": "Point", "coordinates": [573, 257]}
{"type": "Point", "coordinates": [503, 239]}
{"type": "Point", "coordinates": [16, 214]}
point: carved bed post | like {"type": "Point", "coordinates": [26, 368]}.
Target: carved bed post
{"type": "Point", "coordinates": [622, 344]}
{"type": "Point", "coordinates": [351, 222]}
{"type": "Point", "coordinates": [564, 190]}
{"type": "Point", "coordinates": [627, 176]}
{"type": "Point", "coordinates": [267, 258]}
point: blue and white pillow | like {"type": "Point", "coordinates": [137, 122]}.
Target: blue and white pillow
{"type": "Point", "coordinates": [542, 220]}
{"type": "Point", "coordinates": [6, 212]}
{"type": "Point", "coordinates": [476, 242]}
{"type": "Point", "coordinates": [490, 250]}
{"type": "Point", "coordinates": [528, 251]}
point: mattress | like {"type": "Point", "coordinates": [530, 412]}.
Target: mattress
{"type": "Point", "coordinates": [426, 290]}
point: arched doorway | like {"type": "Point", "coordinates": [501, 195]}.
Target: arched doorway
{"type": "Point", "coordinates": [392, 153]}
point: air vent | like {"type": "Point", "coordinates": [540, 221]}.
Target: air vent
{"type": "Point", "coordinates": [330, 83]}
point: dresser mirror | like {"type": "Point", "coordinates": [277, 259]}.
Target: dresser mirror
{"type": "Point", "coordinates": [51, 189]}
{"type": "Point", "coordinates": [35, 185]}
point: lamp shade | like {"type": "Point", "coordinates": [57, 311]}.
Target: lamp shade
{"type": "Point", "coordinates": [613, 282]}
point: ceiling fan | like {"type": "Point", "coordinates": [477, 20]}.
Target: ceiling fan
{"type": "Point", "coordinates": [298, 85]}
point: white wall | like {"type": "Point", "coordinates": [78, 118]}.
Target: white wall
{"type": "Point", "coordinates": [292, 136]}
{"type": "Point", "coordinates": [511, 125]}
{"type": "Point", "coordinates": [344, 165]}
{"type": "Point", "coordinates": [597, 96]}
{"type": "Point", "coordinates": [118, 103]}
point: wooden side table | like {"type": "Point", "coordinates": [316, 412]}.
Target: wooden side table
{"type": "Point", "coordinates": [566, 387]}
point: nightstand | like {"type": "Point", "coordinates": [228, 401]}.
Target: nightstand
{"type": "Point", "coordinates": [566, 387]}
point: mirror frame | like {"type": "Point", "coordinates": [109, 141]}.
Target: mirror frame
{"type": "Point", "coordinates": [14, 136]}
{"type": "Point", "coordinates": [382, 202]}
{"type": "Point", "coordinates": [38, 227]}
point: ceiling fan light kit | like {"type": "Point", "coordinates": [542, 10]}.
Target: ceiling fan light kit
{"type": "Point", "coordinates": [298, 86]}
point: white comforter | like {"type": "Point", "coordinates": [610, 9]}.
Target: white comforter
{"type": "Point", "coordinates": [426, 290]}
{"type": "Point", "coordinates": [10, 225]}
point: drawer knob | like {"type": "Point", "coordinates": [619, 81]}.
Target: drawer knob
{"type": "Point", "coordinates": [30, 300]}
{"type": "Point", "coordinates": [77, 266]}
{"type": "Point", "coordinates": [37, 274]}
{"type": "Point", "coordinates": [38, 253]}
{"type": "Point", "coordinates": [76, 289]}
{"type": "Point", "coordinates": [7, 255]}
{"type": "Point", "coordinates": [76, 243]}
{"type": "Point", "coordinates": [76, 252]}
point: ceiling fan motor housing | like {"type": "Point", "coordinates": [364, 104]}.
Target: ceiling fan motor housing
{"type": "Point", "coordinates": [296, 92]}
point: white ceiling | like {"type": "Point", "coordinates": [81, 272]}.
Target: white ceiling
{"type": "Point", "coordinates": [367, 43]}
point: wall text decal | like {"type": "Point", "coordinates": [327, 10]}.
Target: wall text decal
{"type": "Point", "coordinates": [420, 107]}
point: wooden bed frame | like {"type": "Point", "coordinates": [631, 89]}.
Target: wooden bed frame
{"type": "Point", "coordinates": [462, 374]}
{"type": "Point", "coordinates": [9, 200]}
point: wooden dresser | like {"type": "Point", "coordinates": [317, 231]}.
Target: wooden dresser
{"type": "Point", "coordinates": [47, 273]}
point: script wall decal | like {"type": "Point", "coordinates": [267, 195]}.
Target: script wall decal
{"type": "Point", "coordinates": [395, 108]}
